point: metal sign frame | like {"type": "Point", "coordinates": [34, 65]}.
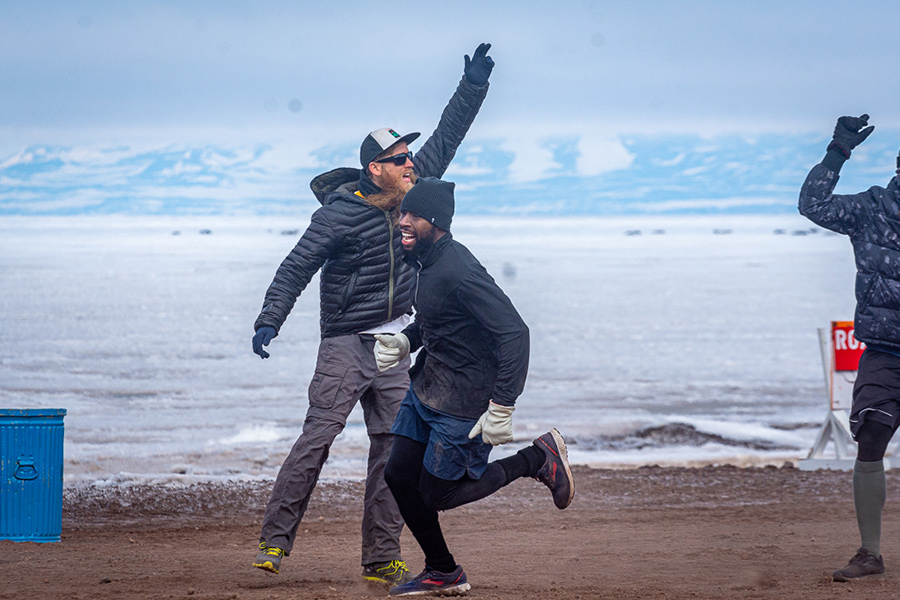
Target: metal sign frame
{"type": "Point", "coordinates": [836, 428]}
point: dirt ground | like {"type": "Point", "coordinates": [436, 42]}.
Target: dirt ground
{"type": "Point", "coordinates": [648, 533]}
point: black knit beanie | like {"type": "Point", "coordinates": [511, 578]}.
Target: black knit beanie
{"type": "Point", "coordinates": [432, 199]}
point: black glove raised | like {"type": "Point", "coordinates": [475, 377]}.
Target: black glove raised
{"type": "Point", "coordinates": [849, 133]}
{"type": "Point", "coordinates": [261, 338]}
{"type": "Point", "coordinates": [479, 67]}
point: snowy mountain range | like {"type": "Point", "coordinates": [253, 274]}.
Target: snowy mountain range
{"type": "Point", "coordinates": [637, 175]}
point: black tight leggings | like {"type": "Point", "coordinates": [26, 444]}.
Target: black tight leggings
{"type": "Point", "coordinates": [873, 439]}
{"type": "Point", "coordinates": [420, 495]}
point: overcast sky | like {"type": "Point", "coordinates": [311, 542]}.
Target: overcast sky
{"type": "Point", "coordinates": [309, 79]}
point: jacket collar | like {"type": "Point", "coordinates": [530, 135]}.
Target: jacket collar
{"type": "Point", "coordinates": [434, 253]}
{"type": "Point", "coordinates": [366, 186]}
{"type": "Point", "coordinates": [343, 182]}
{"type": "Point", "coordinates": [336, 181]}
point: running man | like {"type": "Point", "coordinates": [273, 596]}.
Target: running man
{"type": "Point", "coordinates": [468, 374]}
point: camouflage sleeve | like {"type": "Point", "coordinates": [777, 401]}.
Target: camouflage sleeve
{"type": "Point", "coordinates": [837, 212]}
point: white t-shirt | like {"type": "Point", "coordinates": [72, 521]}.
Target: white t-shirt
{"type": "Point", "coordinates": [395, 326]}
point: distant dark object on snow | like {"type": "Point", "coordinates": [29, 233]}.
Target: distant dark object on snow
{"type": "Point", "coordinates": [722, 231]}
{"type": "Point", "coordinates": [779, 232]}
{"type": "Point", "coordinates": [633, 232]}
{"type": "Point", "coordinates": [509, 270]}
{"type": "Point", "coordinates": [176, 232]}
{"type": "Point", "coordinates": [659, 232]}
{"type": "Point", "coordinates": [810, 231]}
{"type": "Point", "coordinates": [290, 232]}
{"type": "Point", "coordinates": [206, 232]}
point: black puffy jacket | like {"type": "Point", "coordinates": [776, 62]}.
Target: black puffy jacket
{"type": "Point", "coordinates": [364, 281]}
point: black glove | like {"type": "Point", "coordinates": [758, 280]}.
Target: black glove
{"type": "Point", "coordinates": [478, 69]}
{"type": "Point", "coordinates": [849, 133]}
{"type": "Point", "coordinates": [261, 338]}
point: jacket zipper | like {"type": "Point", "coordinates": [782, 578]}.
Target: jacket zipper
{"type": "Point", "coordinates": [390, 223]}
{"type": "Point", "coordinates": [416, 294]}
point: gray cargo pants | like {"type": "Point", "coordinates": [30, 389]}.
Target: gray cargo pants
{"type": "Point", "coordinates": [345, 374]}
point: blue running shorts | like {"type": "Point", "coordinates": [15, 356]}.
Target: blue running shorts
{"type": "Point", "coordinates": [449, 453]}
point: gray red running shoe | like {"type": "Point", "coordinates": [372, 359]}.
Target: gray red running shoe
{"type": "Point", "coordinates": [555, 472]}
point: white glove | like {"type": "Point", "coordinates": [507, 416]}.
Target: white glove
{"type": "Point", "coordinates": [495, 425]}
{"type": "Point", "coordinates": [390, 350]}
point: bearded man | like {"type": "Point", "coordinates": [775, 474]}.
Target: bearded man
{"type": "Point", "coordinates": [365, 289]}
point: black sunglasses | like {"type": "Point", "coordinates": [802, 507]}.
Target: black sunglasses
{"type": "Point", "coordinates": [397, 159]}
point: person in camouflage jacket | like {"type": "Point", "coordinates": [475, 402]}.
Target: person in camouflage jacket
{"type": "Point", "coordinates": [871, 219]}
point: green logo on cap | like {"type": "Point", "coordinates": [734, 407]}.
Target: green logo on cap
{"type": "Point", "coordinates": [394, 133]}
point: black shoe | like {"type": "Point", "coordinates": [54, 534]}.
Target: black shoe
{"type": "Point", "coordinates": [555, 472]}
{"type": "Point", "coordinates": [861, 565]}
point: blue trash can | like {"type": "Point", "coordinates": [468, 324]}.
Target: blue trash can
{"type": "Point", "coordinates": [31, 469]}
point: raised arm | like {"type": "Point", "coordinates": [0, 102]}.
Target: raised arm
{"type": "Point", "coordinates": [837, 212]}
{"type": "Point", "coordinates": [433, 158]}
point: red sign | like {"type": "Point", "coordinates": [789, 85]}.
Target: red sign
{"type": "Point", "coordinates": [847, 349]}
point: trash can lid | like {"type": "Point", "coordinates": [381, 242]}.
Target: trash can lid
{"type": "Point", "coordinates": [32, 412]}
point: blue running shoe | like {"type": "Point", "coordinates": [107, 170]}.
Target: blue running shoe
{"type": "Point", "coordinates": [434, 583]}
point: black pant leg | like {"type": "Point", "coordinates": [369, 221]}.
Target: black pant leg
{"type": "Point", "coordinates": [442, 494]}
{"type": "Point", "coordinates": [873, 438]}
{"type": "Point", "coordinates": [403, 474]}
